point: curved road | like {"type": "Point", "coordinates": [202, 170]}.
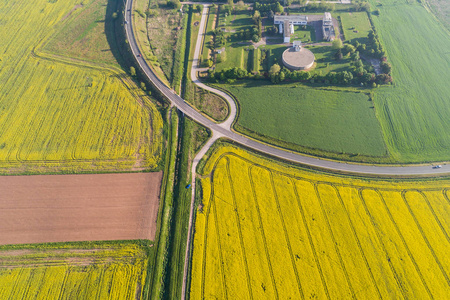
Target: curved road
{"type": "Point", "coordinates": [223, 130]}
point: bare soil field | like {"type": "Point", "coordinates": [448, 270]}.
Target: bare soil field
{"type": "Point", "coordinates": [61, 208]}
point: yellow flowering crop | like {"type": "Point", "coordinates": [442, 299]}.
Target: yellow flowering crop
{"type": "Point", "coordinates": [59, 114]}
{"type": "Point", "coordinates": [271, 231]}
{"type": "Point", "coordinates": [117, 272]}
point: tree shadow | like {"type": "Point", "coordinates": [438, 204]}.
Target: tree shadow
{"type": "Point", "coordinates": [115, 32]}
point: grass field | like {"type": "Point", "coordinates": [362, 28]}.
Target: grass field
{"type": "Point", "coordinates": [73, 271]}
{"type": "Point", "coordinates": [414, 113]}
{"type": "Point", "coordinates": [328, 120]}
{"type": "Point", "coordinates": [59, 114]}
{"type": "Point", "coordinates": [356, 26]}
{"type": "Point", "coordinates": [268, 231]}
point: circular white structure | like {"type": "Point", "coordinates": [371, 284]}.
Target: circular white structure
{"type": "Point", "coordinates": [298, 58]}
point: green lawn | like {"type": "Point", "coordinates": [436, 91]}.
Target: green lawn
{"type": "Point", "coordinates": [356, 26]}
{"type": "Point", "coordinates": [305, 35]}
{"type": "Point", "coordinates": [326, 62]}
{"type": "Point", "coordinates": [327, 120]}
{"type": "Point", "coordinates": [415, 113]}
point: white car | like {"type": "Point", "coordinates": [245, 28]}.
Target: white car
{"type": "Point", "coordinates": [437, 167]}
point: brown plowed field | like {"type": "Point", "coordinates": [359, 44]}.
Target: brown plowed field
{"type": "Point", "coordinates": [59, 208]}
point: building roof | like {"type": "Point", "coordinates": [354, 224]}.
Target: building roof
{"type": "Point", "coordinates": [327, 19]}
{"type": "Point", "coordinates": [287, 29]}
{"type": "Point", "coordinates": [291, 18]}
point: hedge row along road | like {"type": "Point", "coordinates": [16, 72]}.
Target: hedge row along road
{"type": "Point", "coordinates": [224, 129]}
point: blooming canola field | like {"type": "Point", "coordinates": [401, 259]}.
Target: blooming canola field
{"type": "Point", "coordinates": [60, 114]}
{"type": "Point", "coordinates": [271, 231]}
{"type": "Point", "coordinates": [111, 272]}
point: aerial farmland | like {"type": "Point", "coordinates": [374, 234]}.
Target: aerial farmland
{"type": "Point", "coordinates": [156, 149]}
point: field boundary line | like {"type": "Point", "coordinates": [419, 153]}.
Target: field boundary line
{"type": "Point", "coordinates": [263, 235]}
{"type": "Point", "coordinates": [357, 241]}
{"type": "Point", "coordinates": [334, 240]}
{"type": "Point", "coordinates": [311, 243]}
{"type": "Point", "coordinates": [239, 227]}
{"type": "Point", "coordinates": [424, 237]}
{"type": "Point", "coordinates": [286, 235]}
{"type": "Point", "coordinates": [405, 245]}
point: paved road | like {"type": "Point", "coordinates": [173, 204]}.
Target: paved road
{"type": "Point", "coordinates": [225, 131]}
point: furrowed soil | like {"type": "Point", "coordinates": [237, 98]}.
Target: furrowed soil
{"type": "Point", "coordinates": [60, 208]}
{"type": "Point", "coordinates": [265, 230]}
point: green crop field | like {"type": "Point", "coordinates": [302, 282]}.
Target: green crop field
{"type": "Point", "coordinates": [414, 114]}
{"type": "Point", "coordinates": [98, 270]}
{"type": "Point", "coordinates": [61, 114]}
{"type": "Point", "coordinates": [327, 120]}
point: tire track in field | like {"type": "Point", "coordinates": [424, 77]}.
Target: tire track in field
{"type": "Point", "coordinates": [411, 257]}
{"type": "Point", "coordinates": [372, 221]}
{"type": "Point", "coordinates": [16, 283]}
{"type": "Point", "coordinates": [361, 251]}
{"type": "Point", "coordinates": [102, 275]}
{"type": "Point", "coordinates": [436, 259]}
{"type": "Point", "coordinates": [66, 274]}
{"type": "Point", "coordinates": [241, 240]}
{"type": "Point", "coordinates": [263, 235]}
{"type": "Point", "coordinates": [286, 236]}
{"type": "Point", "coordinates": [434, 214]}
{"type": "Point", "coordinates": [205, 239]}
{"type": "Point", "coordinates": [341, 261]}
{"type": "Point", "coordinates": [311, 243]}
{"type": "Point", "coordinates": [219, 245]}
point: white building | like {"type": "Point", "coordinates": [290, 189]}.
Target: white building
{"type": "Point", "coordinates": [293, 19]}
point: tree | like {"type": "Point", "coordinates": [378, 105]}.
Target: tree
{"type": "Point", "coordinates": [279, 8]}
{"type": "Point", "coordinates": [336, 44]}
{"type": "Point", "coordinates": [143, 86]}
{"type": "Point", "coordinates": [174, 4]}
{"type": "Point", "coordinates": [256, 16]}
{"type": "Point", "coordinates": [255, 38]}
{"type": "Point", "coordinates": [114, 15]}
{"type": "Point", "coordinates": [386, 67]}
{"type": "Point", "coordinates": [132, 71]}
{"type": "Point", "coordinates": [274, 69]}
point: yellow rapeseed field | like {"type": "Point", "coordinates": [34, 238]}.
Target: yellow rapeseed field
{"type": "Point", "coordinates": [271, 231]}
{"type": "Point", "coordinates": [116, 272]}
{"type": "Point", "coordinates": [58, 114]}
